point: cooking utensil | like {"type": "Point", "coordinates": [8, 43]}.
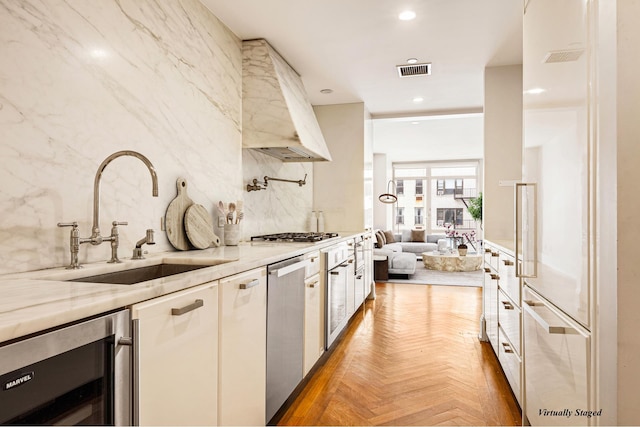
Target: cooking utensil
{"type": "Point", "coordinates": [232, 211]}
{"type": "Point", "coordinates": [239, 217]}
{"type": "Point", "coordinates": [199, 227]}
{"type": "Point", "coordinates": [221, 208]}
{"type": "Point", "coordinates": [230, 218]}
{"type": "Point", "coordinates": [174, 217]}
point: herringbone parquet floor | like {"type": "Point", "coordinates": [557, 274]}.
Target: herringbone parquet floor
{"type": "Point", "coordinates": [411, 357]}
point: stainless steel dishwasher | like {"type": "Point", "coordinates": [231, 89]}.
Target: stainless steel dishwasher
{"type": "Point", "coordinates": [285, 329]}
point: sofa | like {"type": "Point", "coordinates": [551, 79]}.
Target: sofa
{"type": "Point", "coordinates": [410, 241]}
{"type": "Point", "coordinates": [402, 250]}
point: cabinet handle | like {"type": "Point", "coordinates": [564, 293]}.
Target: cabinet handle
{"type": "Point", "coordinates": [507, 262]}
{"type": "Point", "coordinates": [487, 270]}
{"type": "Point", "coordinates": [507, 305]}
{"type": "Point", "coordinates": [251, 284]}
{"type": "Point", "coordinates": [495, 254]}
{"type": "Point", "coordinates": [487, 250]}
{"type": "Point", "coordinates": [187, 308]}
{"type": "Point", "coordinates": [313, 258]}
{"type": "Point", "coordinates": [495, 277]}
{"type": "Point", "coordinates": [507, 347]}
{"type": "Point", "coordinates": [313, 284]}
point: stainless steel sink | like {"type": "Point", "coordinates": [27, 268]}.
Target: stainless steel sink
{"type": "Point", "coordinates": [142, 274]}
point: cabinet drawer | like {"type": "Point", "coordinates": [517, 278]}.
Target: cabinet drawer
{"type": "Point", "coordinates": [491, 309]}
{"type": "Point", "coordinates": [243, 343]}
{"type": "Point", "coordinates": [487, 254]}
{"type": "Point", "coordinates": [509, 283]}
{"type": "Point", "coordinates": [556, 363]}
{"type": "Point", "coordinates": [509, 319]}
{"type": "Point", "coordinates": [314, 265]}
{"type": "Point", "coordinates": [511, 365]}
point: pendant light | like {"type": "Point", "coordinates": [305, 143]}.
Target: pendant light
{"type": "Point", "coordinates": [389, 197]}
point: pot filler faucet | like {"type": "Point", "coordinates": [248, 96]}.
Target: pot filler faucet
{"type": "Point", "coordinates": [96, 238]}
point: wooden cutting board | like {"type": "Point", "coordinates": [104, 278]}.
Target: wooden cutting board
{"type": "Point", "coordinates": [174, 218]}
{"type": "Point", "coordinates": [199, 227]}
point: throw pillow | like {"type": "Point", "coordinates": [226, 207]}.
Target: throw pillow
{"type": "Point", "coordinates": [379, 239]}
{"type": "Point", "coordinates": [417, 235]}
{"type": "Point", "coordinates": [388, 236]}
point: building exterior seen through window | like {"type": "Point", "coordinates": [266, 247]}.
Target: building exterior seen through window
{"type": "Point", "coordinates": [437, 193]}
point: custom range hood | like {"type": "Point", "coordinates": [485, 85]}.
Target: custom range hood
{"type": "Point", "coordinates": [277, 117]}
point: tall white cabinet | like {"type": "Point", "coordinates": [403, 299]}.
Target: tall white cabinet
{"type": "Point", "coordinates": [243, 344]}
{"type": "Point", "coordinates": [176, 364]}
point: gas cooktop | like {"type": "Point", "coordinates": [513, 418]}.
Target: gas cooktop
{"type": "Point", "coordinates": [294, 237]}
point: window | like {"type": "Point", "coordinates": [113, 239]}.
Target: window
{"type": "Point", "coordinates": [400, 187]}
{"type": "Point", "coordinates": [419, 216]}
{"type": "Point", "coordinates": [419, 187]}
{"type": "Point", "coordinates": [449, 216]}
{"type": "Point", "coordinates": [400, 216]}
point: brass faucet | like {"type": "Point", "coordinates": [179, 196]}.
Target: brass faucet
{"type": "Point", "coordinates": [96, 238]}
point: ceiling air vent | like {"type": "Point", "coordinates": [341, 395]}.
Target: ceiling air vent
{"type": "Point", "coordinates": [563, 56]}
{"type": "Point", "coordinates": [414, 70]}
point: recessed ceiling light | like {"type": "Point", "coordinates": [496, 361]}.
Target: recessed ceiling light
{"type": "Point", "coordinates": [407, 15]}
{"type": "Point", "coordinates": [412, 61]}
{"type": "Point", "coordinates": [418, 99]}
{"type": "Point", "coordinates": [326, 91]}
{"type": "Point", "coordinates": [415, 123]}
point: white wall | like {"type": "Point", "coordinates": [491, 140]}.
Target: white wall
{"type": "Point", "coordinates": [628, 175]}
{"type": "Point", "coordinates": [339, 190]}
{"type": "Point", "coordinates": [81, 80]}
{"type": "Point", "coordinates": [502, 148]}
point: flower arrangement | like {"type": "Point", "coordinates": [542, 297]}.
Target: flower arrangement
{"type": "Point", "coordinates": [452, 233]}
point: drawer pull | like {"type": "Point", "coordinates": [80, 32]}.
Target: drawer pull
{"type": "Point", "coordinates": [313, 284]}
{"type": "Point", "coordinates": [495, 277]}
{"type": "Point", "coordinates": [187, 308]}
{"type": "Point", "coordinates": [507, 305]}
{"type": "Point", "coordinates": [487, 250]}
{"type": "Point", "coordinates": [495, 254]}
{"type": "Point", "coordinates": [530, 308]}
{"type": "Point", "coordinates": [487, 270]}
{"type": "Point", "coordinates": [507, 262]}
{"type": "Point", "coordinates": [507, 347]}
{"type": "Point", "coordinates": [251, 284]}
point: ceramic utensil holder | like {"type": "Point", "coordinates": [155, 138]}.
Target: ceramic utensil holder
{"type": "Point", "coordinates": [231, 234]}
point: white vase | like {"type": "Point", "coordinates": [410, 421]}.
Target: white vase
{"type": "Point", "coordinates": [313, 222]}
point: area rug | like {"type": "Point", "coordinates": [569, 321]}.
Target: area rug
{"type": "Point", "coordinates": [422, 276]}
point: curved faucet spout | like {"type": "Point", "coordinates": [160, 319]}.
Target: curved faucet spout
{"type": "Point", "coordinates": [96, 238]}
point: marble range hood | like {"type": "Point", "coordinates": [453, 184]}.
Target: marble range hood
{"type": "Point", "coordinates": [277, 117]}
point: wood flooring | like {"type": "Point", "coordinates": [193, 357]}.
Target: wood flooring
{"type": "Point", "coordinates": [410, 357]}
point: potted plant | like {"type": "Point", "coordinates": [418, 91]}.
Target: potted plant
{"type": "Point", "coordinates": [462, 249]}
{"type": "Point", "coordinates": [475, 208]}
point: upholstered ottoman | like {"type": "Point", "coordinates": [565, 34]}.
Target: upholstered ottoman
{"type": "Point", "coordinates": [402, 263]}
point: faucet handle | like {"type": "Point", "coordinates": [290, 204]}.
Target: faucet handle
{"type": "Point", "coordinates": [117, 223]}
{"type": "Point", "coordinates": [73, 224]}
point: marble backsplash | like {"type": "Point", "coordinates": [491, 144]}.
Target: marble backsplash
{"type": "Point", "coordinates": [81, 80]}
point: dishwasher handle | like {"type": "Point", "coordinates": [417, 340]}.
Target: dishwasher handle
{"type": "Point", "coordinates": [290, 268]}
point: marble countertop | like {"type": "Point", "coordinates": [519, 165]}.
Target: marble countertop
{"type": "Point", "coordinates": [37, 300]}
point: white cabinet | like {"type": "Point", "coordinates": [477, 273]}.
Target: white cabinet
{"type": "Point", "coordinates": [243, 334]}
{"type": "Point", "coordinates": [313, 322]}
{"type": "Point", "coordinates": [176, 351]}
{"type": "Point", "coordinates": [503, 313]}
{"type": "Point", "coordinates": [313, 313]}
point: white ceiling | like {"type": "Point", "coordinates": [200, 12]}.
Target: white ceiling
{"type": "Point", "coordinates": [353, 47]}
